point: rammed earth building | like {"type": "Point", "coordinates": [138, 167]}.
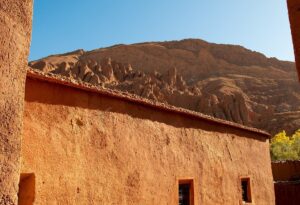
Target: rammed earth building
{"type": "Point", "coordinates": [87, 145]}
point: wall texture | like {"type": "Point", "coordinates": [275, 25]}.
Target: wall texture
{"type": "Point", "coordinates": [287, 193]}
{"type": "Point", "coordinates": [15, 34]}
{"type": "Point", "coordinates": [86, 148]}
{"type": "Point", "coordinates": [286, 170]}
{"type": "Point", "coordinates": [287, 182]}
{"type": "Point", "coordinates": [294, 16]}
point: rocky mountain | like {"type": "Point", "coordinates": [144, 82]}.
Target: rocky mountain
{"type": "Point", "coordinates": [224, 81]}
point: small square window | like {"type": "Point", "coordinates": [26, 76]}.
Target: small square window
{"type": "Point", "coordinates": [186, 192]}
{"type": "Point", "coordinates": [246, 190]}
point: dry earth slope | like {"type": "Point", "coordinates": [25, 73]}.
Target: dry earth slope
{"type": "Point", "coordinates": [224, 81]}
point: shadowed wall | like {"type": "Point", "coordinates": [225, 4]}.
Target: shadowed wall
{"type": "Point", "coordinates": [286, 170]}
{"type": "Point", "coordinates": [294, 16]}
{"type": "Point", "coordinates": [15, 34]}
{"type": "Point", "coordinates": [287, 182]}
{"type": "Point", "coordinates": [287, 193]}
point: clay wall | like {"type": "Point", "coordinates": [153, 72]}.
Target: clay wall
{"type": "Point", "coordinates": [15, 34]}
{"type": "Point", "coordinates": [286, 170]}
{"type": "Point", "coordinates": [287, 193]}
{"type": "Point", "coordinates": [86, 148]}
{"type": "Point", "coordinates": [287, 182]}
{"type": "Point", "coordinates": [294, 16]}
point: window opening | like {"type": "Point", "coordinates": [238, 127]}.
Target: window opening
{"type": "Point", "coordinates": [186, 192]}
{"type": "Point", "coordinates": [26, 189]}
{"type": "Point", "coordinates": [246, 190]}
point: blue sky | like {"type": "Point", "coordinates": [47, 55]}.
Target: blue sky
{"type": "Point", "coordinates": [64, 25]}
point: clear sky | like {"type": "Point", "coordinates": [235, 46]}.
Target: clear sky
{"type": "Point", "coordinates": [64, 25]}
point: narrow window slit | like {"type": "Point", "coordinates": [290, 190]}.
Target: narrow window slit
{"type": "Point", "coordinates": [186, 192]}
{"type": "Point", "coordinates": [246, 190]}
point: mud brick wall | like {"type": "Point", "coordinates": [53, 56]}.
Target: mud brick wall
{"type": "Point", "coordinates": [15, 36]}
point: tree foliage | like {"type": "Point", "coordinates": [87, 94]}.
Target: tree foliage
{"type": "Point", "coordinates": [284, 147]}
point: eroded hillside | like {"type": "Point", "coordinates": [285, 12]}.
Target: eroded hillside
{"type": "Point", "coordinates": [224, 81]}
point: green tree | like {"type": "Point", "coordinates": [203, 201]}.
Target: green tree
{"type": "Point", "coordinates": [296, 142]}
{"type": "Point", "coordinates": [284, 147]}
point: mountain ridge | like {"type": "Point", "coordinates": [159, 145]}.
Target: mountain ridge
{"type": "Point", "coordinates": [225, 81]}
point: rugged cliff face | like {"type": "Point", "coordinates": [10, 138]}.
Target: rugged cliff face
{"type": "Point", "coordinates": [224, 81]}
{"type": "Point", "coordinates": [15, 34]}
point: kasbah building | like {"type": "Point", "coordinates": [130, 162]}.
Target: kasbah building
{"type": "Point", "coordinates": [63, 142]}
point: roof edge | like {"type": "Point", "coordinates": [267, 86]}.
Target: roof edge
{"type": "Point", "coordinates": [61, 80]}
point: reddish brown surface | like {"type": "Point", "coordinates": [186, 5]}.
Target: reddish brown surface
{"type": "Point", "coordinates": [90, 148]}
{"type": "Point", "coordinates": [224, 81]}
{"type": "Point", "coordinates": [286, 170]}
{"type": "Point", "coordinates": [287, 193]}
{"type": "Point", "coordinates": [26, 193]}
{"type": "Point", "coordinates": [287, 182]}
{"type": "Point", "coordinates": [57, 79]}
{"type": "Point", "coordinates": [15, 32]}
{"type": "Point", "coordinates": [294, 15]}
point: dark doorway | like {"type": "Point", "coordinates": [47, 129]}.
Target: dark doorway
{"type": "Point", "coordinates": [26, 189]}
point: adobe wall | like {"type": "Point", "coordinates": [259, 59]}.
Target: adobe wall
{"type": "Point", "coordinates": [287, 193]}
{"type": "Point", "coordinates": [15, 34]}
{"type": "Point", "coordinates": [294, 16]}
{"type": "Point", "coordinates": [86, 148]}
{"type": "Point", "coordinates": [286, 170]}
{"type": "Point", "coordinates": [287, 182]}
